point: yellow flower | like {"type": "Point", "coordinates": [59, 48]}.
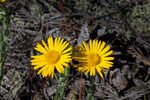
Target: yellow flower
{"type": "Point", "coordinates": [2, 1]}
{"type": "Point", "coordinates": [56, 55]}
{"type": "Point", "coordinates": [94, 56]}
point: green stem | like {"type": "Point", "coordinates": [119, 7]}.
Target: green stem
{"type": "Point", "coordinates": [91, 90]}
{"type": "Point", "coordinates": [63, 80]}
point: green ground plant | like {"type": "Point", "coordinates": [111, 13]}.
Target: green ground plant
{"type": "Point", "coordinates": [4, 34]}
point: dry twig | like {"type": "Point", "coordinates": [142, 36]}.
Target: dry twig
{"type": "Point", "coordinates": [139, 56]}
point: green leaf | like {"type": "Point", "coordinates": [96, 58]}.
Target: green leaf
{"type": "Point", "coordinates": [0, 70]}
{"type": "Point", "coordinates": [4, 33]}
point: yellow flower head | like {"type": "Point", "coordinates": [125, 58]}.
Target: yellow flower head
{"type": "Point", "coordinates": [2, 1]}
{"type": "Point", "coordinates": [56, 54]}
{"type": "Point", "coordinates": [94, 56]}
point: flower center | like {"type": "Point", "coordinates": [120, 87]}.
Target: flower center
{"type": "Point", "coordinates": [52, 57]}
{"type": "Point", "coordinates": [93, 59]}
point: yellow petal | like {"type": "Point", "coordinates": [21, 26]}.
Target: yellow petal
{"type": "Point", "coordinates": [99, 71]}
{"type": "Point", "coordinates": [65, 64]}
{"type": "Point", "coordinates": [67, 50]}
{"type": "Point", "coordinates": [37, 56]}
{"type": "Point", "coordinates": [99, 44]}
{"type": "Point", "coordinates": [64, 45]}
{"type": "Point", "coordinates": [86, 46]}
{"type": "Point", "coordinates": [102, 46]}
{"type": "Point", "coordinates": [45, 72]}
{"type": "Point", "coordinates": [52, 72]}
{"type": "Point", "coordinates": [108, 53]}
{"type": "Point", "coordinates": [45, 45]}
{"type": "Point", "coordinates": [96, 45]}
{"type": "Point", "coordinates": [58, 42]}
{"type": "Point", "coordinates": [87, 71]}
{"type": "Point", "coordinates": [41, 70]}
{"type": "Point", "coordinates": [60, 68]}
{"type": "Point", "coordinates": [90, 46]}
{"type": "Point", "coordinates": [93, 47]}
{"type": "Point", "coordinates": [108, 58]}
{"type": "Point", "coordinates": [40, 48]}
{"type": "Point", "coordinates": [105, 50]}
{"type": "Point", "coordinates": [107, 66]}
{"type": "Point", "coordinates": [61, 42]}
{"type": "Point", "coordinates": [92, 71]}
{"type": "Point", "coordinates": [50, 42]}
{"type": "Point", "coordinates": [55, 43]}
{"type": "Point", "coordinates": [37, 67]}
